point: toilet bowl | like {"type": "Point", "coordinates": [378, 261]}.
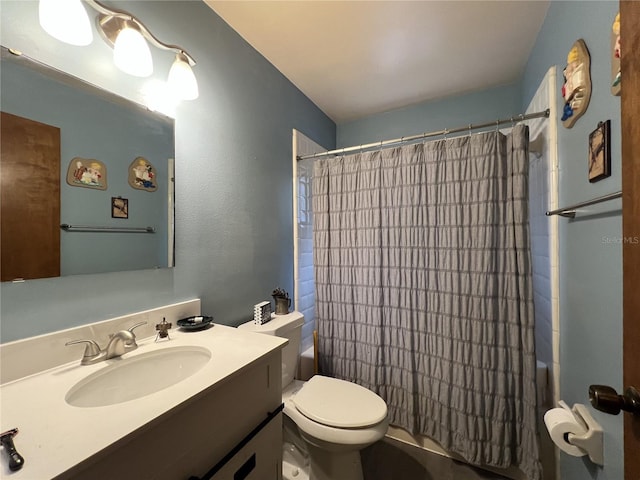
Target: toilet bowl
{"type": "Point", "coordinates": [334, 418]}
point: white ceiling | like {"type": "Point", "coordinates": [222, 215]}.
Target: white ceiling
{"type": "Point", "coordinates": [357, 58]}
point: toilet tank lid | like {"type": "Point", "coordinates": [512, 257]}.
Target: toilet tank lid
{"type": "Point", "coordinates": [278, 325]}
{"type": "Point", "coordinates": [338, 403]}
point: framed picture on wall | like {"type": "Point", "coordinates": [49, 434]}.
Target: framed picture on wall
{"type": "Point", "coordinates": [600, 152]}
{"type": "Point", "coordinates": [119, 207]}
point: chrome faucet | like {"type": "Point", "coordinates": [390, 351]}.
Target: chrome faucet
{"type": "Point", "coordinates": [119, 343]}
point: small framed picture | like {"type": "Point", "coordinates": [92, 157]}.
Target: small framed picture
{"type": "Point", "coordinates": [600, 152]}
{"type": "Point", "coordinates": [119, 207]}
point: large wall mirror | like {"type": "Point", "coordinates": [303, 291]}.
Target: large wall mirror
{"type": "Point", "coordinates": [122, 221]}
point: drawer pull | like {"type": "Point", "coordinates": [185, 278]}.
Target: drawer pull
{"type": "Point", "coordinates": [238, 447]}
{"type": "Point", "coordinates": [244, 471]}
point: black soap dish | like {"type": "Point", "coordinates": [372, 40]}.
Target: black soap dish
{"type": "Point", "coordinates": [198, 322]}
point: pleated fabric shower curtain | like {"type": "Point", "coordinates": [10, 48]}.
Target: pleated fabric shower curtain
{"type": "Point", "coordinates": [424, 289]}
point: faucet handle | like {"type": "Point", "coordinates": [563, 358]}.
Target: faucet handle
{"type": "Point", "coordinates": [136, 326]}
{"type": "Point", "coordinates": [91, 351]}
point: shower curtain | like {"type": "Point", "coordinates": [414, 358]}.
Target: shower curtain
{"type": "Point", "coordinates": [424, 289]}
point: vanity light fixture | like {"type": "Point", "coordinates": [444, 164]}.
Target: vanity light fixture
{"type": "Point", "coordinates": [128, 36]}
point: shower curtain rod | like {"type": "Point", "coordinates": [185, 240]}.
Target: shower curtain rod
{"type": "Point", "coordinates": [446, 131]}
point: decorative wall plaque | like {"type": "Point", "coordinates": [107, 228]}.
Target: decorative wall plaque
{"type": "Point", "coordinates": [142, 175]}
{"type": "Point", "coordinates": [616, 74]}
{"type": "Point", "coordinates": [576, 89]}
{"type": "Point", "coordinates": [87, 172]}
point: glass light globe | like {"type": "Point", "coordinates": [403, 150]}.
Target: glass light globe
{"type": "Point", "coordinates": [131, 53]}
{"type": "Point", "coordinates": [182, 80]}
{"type": "Point", "coordinates": [66, 20]}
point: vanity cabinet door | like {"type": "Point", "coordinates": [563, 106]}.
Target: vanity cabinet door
{"type": "Point", "coordinates": [260, 459]}
{"type": "Point", "coordinates": [189, 440]}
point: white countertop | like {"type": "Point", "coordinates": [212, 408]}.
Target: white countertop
{"type": "Point", "coordinates": [55, 436]}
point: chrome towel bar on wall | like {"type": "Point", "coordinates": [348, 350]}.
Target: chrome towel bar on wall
{"type": "Point", "coordinates": [570, 212]}
{"type": "Point", "coordinates": [91, 228]}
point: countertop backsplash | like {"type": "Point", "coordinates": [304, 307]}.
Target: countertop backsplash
{"type": "Point", "coordinates": [32, 355]}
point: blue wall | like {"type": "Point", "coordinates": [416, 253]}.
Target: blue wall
{"type": "Point", "coordinates": [233, 174]}
{"type": "Point", "coordinates": [477, 107]}
{"type": "Point", "coordinates": [590, 248]}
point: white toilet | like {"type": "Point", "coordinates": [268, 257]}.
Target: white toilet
{"type": "Point", "coordinates": [336, 419]}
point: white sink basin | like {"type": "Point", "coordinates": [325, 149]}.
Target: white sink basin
{"type": "Point", "coordinates": [138, 376]}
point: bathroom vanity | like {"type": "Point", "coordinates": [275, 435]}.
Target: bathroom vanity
{"type": "Point", "coordinates": [180, 431]}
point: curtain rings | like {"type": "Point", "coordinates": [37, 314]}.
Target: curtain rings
{"type": "Point", "coordinates": [446, 134]}
{"type": "Point", "coordinates": [470, 127]}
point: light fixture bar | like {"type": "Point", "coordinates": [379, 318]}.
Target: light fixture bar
{"type": "Point", "coordinates": [110, 22]}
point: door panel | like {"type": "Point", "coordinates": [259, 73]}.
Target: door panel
{"type": "Point", "coordinates": [29, 199]}
{"type": "Point", "coordinates": [630, 42]}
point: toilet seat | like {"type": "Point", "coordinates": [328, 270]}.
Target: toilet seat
{"type": "Point", "coordinates": [339, 404]}
{"type": "Point", "coordinates": [329, 437]}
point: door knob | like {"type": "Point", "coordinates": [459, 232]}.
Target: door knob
{"type": "Point", "coordinates": [607, 400]}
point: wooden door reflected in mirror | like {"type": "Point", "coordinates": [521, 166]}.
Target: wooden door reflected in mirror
{"type": "Point", "coordinates": [30, 199]}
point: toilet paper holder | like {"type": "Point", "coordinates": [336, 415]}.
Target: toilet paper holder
{"type": "Point", "coordinates": [592, 440]}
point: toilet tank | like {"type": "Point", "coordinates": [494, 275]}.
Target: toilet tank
{"type": "Point", "coordinates": [286, 326]}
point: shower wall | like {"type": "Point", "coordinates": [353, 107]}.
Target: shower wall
{"type": "Point", "coordinates": [304, 293]}
{"type": "Point", "coordinates": [543, 196]}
